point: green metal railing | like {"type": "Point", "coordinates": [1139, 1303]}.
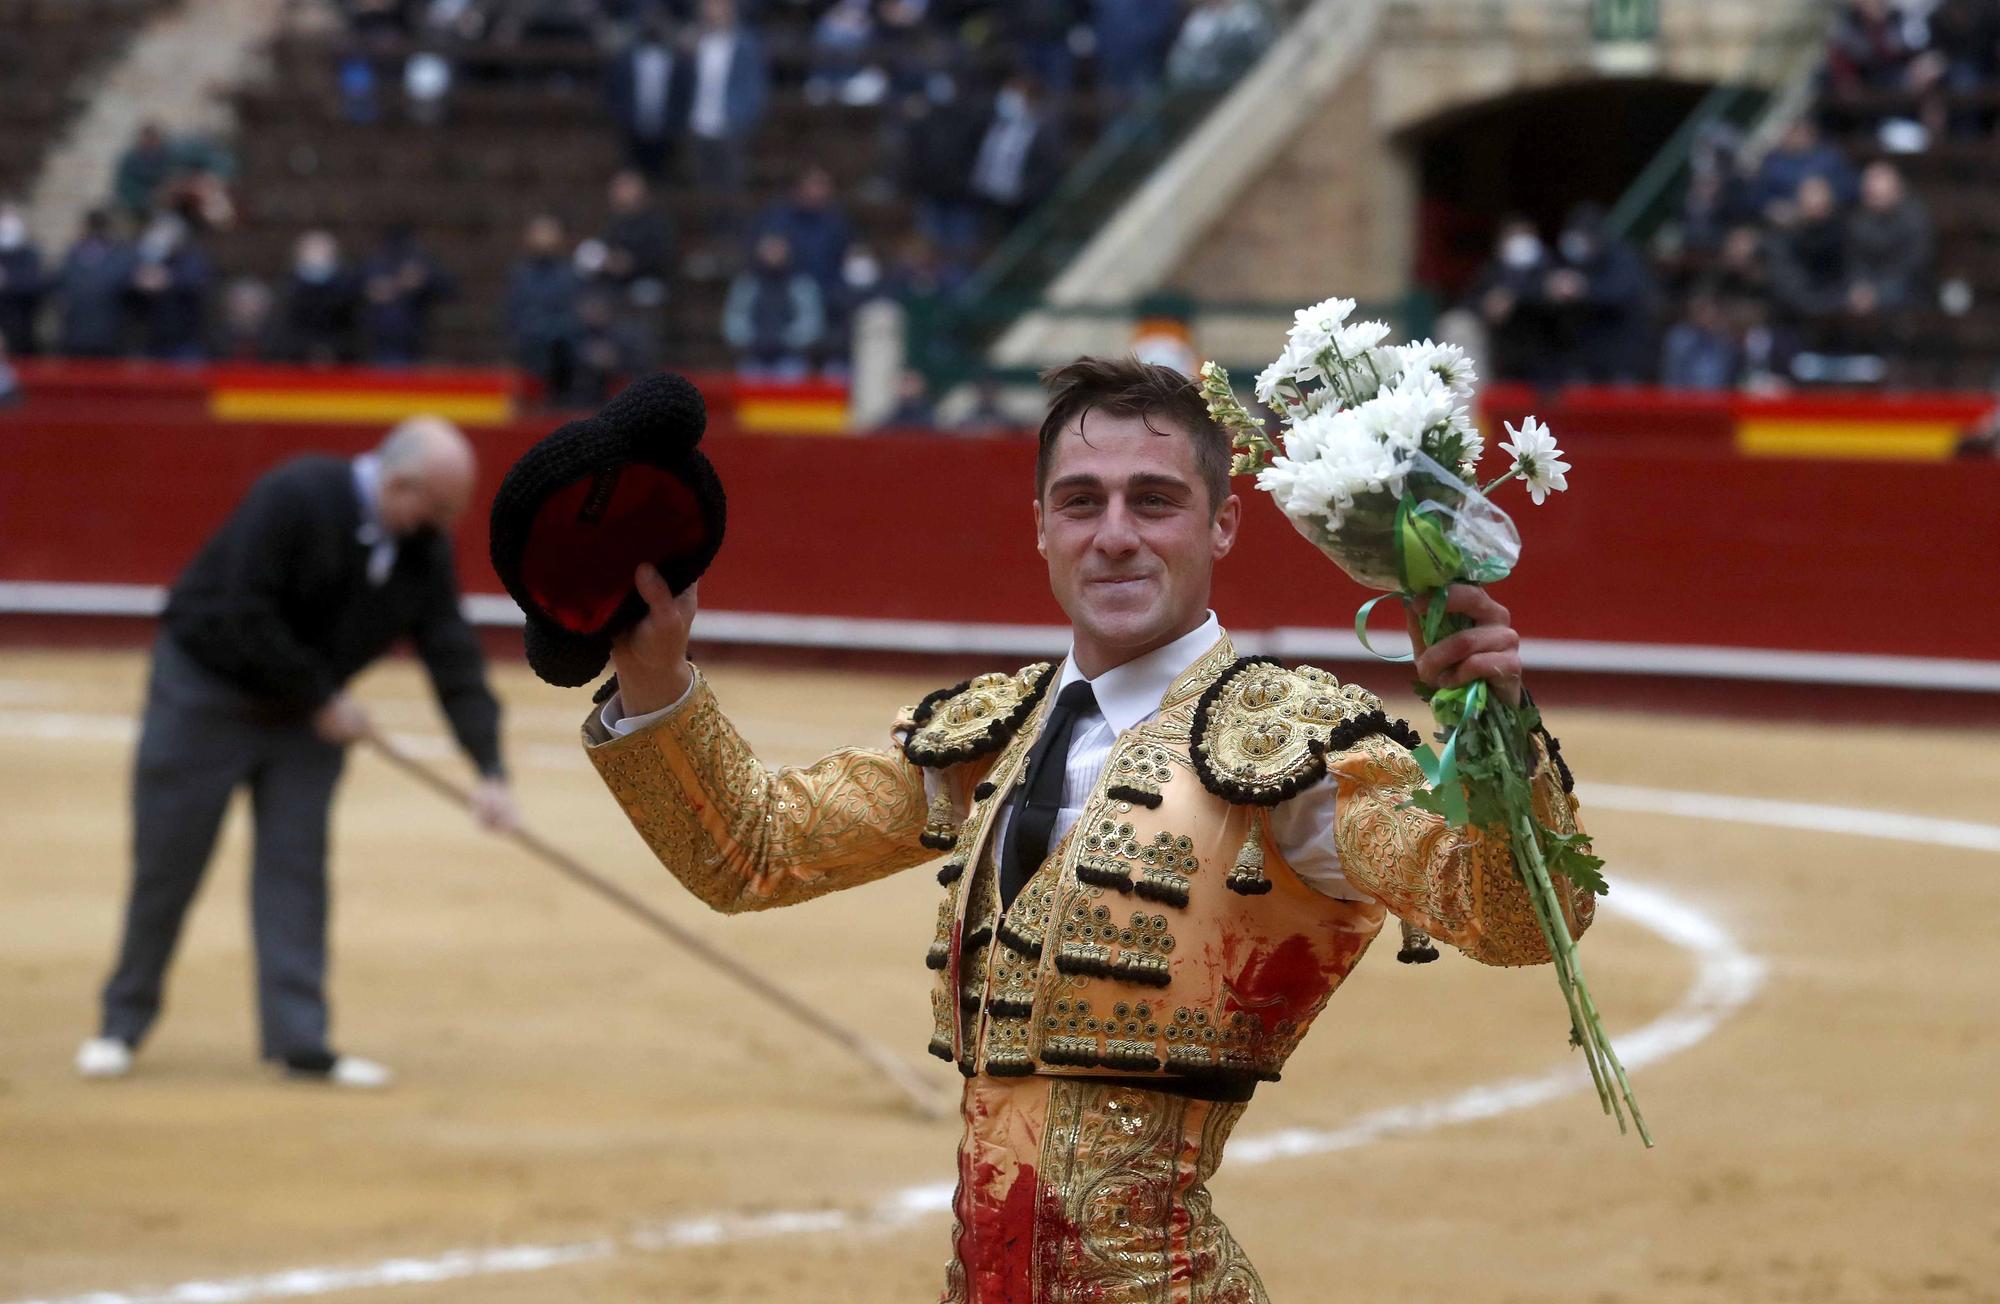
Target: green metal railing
{"type": "Point", "coordinates": [1782, 53]}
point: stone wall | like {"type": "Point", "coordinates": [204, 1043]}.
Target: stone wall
{"type": "Point", "coordinates": [1337, 206]}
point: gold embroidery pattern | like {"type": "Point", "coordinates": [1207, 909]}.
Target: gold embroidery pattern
{"type": "Point", "coordinates": [1091, 945]}
{"type": "Point", "coordinates": [941, 825]}
{"type": "Point", "coordinates": [1247, 874]}
{"type": "Point", "coordinates": [742, 837]}
{"type": "Point", "coordinates": [974, 718]}
{"type": "Point", "coordinates": [1262, 730]}
{"type": "Point", "coordinates": [1167, 868]}
{"type": "Point", "coordinates": [1199, 1044]}
{"type": "Point", "coordinates": [1126, 1171]}
{"type": "Point", "coordinates": [1111, 854]}
{"type": "Point", "coordinates": [1457, 885]}
{"type": "Point", "coordinates": [1137, 773]}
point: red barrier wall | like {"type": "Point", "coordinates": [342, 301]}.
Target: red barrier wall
{"type": "Point", "coordinates": [1654, 545]}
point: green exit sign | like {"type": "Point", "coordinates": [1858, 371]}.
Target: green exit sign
{"type": "Point", "coordinates": [1625, 20]}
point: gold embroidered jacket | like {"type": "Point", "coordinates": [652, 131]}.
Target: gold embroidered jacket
{"type": "Point", "coordinates": [1164, 936]}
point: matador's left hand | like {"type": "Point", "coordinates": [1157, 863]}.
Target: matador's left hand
{"type": "Point", "coordinates": [1489, 650]}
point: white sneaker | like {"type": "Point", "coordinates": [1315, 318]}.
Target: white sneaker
{"type": "Point", "coordinates": [364, 1075]}
{"type": "Point", "coordinates": [104, 1057]}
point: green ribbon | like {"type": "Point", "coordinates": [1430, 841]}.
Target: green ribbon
{"type": "Point", "coordinates": [1361, 630]}
{"type": "Point", "coordinates": [1441, 768]}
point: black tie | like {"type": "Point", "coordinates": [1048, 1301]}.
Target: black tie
{"type": "Point", "coordinates": [1035, 818]}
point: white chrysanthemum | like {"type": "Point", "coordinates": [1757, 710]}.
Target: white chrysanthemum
{"type": "Point", "coordinates": [1268, 380]}
{"type": "Point", "coordinates": [1472, 444]}
{"type": "Point", "coordinates": [1411, 413]}
{"type": "Point", "coordinates": [1324, 317]}
{"type": "Point", "coordinates": [1537, 459]}
{"type": "Point", "coordinates": [1308, 339]}
{"type": "Point", "coordinates": [1445, 361]}
{"type": "Point", "coordinates": [1353, 341]}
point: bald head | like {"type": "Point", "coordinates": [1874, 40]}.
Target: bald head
{"type": "Point", "coordinates": [428, 473]}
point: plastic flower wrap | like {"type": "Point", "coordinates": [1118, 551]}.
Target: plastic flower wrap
{"type": "Point", "coordinates": [1377, 467]}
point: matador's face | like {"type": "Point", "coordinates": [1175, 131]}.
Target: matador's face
{"type": "Point", "coordinates": [1130, 536]}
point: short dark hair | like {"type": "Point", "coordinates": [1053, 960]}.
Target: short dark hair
{"type": "Point", "coordinates": [1127, 387]}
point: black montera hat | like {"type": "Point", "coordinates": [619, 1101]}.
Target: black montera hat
{"type": "Point", "coordinates": [582, 508]}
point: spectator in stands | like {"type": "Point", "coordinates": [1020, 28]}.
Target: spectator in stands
{"type": "Point", "coordinates": [1888, 245]}
{"type": "Point", "coordinates": [1508, 296]}
{"type": "Point", "coordinates": [1132, 40]}
{"type": "Point", "coordinates": [22, 283]}
{"type": "Point", "coordinates": [638, 242]}
{"type": "Point", "coordinates": [170, 279]}
{"type": "Point", "coordinates": [10, 383]}
{"type": "Point", "coordinates": [1869, 48]}
{"type": "Point", "coordinates": [1742, 270]}
{"type": "Point", "coordinates": [987, 413]}
{"type": "Point", "coordinates": [1718, 194]}
{"type": "Point", "coordinates": [730, 83]}
{"type": "Point", "coordinates": [1700, 351]}
{"type": "Point", "coordinates": [542, 296]}
{"type": "Point", "coordinates": [609, 347]}
{"type": "Point", "coordinates": [1808, 255]}
{"type": "Point", "coordinates": [773, 317]}
{"type": "Point", "coordinates": [147, 163]}
{"type": "Point", "coordinates": [1601, 293]}
{"type": "Point", "coordinates": [322, 300]}
{"type": "Point", "coordinates": [1217, 44]}
{"type": "Point", "coordinates": [941, 128]}
{"type": "Point", "coordinates": [92, 287]}
{"type": "Point", "coordinates": [1043, 33]}
{"type": "Point", "coordinates": [842, 41]}
{"type": "Point", "coordinates": [249, 312]}
{"type": "Point", "coordinates": [913, 410]}
{"type": "Point", "coordinates": [644, 85]}
{"type": "Point", "coordinates": [1800, 153]}
{"type": "Point", "coordinates": [1020, 157]}
{"type": "Point", "coordinates": [1963, 56]}
{"type": "Point", "coordinates": [400, 284]}
{"type": "Point", "coordinates": [815, 226]}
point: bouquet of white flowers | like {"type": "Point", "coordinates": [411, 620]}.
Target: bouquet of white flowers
{"type": "Point", "coordinates": [1378, 468]}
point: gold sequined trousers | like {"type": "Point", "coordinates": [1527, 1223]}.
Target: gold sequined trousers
{"type": "Point", "coordinates": [1072, 1192]}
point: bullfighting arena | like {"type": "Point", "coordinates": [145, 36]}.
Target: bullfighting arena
{"type": "Point", "coordinates": [1797, 962]}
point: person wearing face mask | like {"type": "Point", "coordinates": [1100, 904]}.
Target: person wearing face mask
{"type": "Point", "coordinates": [324, 566]}
{"type": "Point", "coordinates": [1508, 297]}
{"type": "Point", "coordinates": [1601, 296]}
{"type": "Point", "coordinates": [21, 282]}
{"type": "Point", "coordinates": [322, 300]}
{"type": "Point", "coordinates": [170, 278]}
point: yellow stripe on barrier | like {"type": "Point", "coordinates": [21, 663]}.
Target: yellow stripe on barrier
{"type": "Point", "coordinates": [1905, 441]}
{"type": "Point", "coordinates": [347, 405]}
{"type": "Point", "coordinates": [780, 416]}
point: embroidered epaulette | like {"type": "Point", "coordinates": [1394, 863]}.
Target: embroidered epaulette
{"type": "Point", "coordinates": [1262, 731]}
{"type": "Point", "coordinates": [969, 720]}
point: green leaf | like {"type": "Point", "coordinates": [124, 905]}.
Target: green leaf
{"type": "Point", "coordinates": [1569, 855]}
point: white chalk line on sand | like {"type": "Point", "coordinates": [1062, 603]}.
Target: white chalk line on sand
{"type": "Point", "coordinates": [1726, 977]}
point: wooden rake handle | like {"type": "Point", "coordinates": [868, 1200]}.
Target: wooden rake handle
{"type": "Point", "coordinates": [919, 1093]}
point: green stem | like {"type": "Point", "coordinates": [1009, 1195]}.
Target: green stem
{"type": "Point", "coordinates": [1495, 731]}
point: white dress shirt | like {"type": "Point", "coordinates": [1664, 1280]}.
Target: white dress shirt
{"type": "Point", "coordinates": [1129, 695]}
{"type": "Point", "coordinates": [380, 543]}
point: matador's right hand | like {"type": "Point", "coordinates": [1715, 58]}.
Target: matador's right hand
{"type": "Point", "coordinates": [651, 657]}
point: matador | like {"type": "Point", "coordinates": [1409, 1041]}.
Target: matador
{"type": "Point", "coordinates": [1159, 859]}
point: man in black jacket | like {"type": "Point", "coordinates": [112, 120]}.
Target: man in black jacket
{"type": "Point", "coordinates": [324, 565]}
